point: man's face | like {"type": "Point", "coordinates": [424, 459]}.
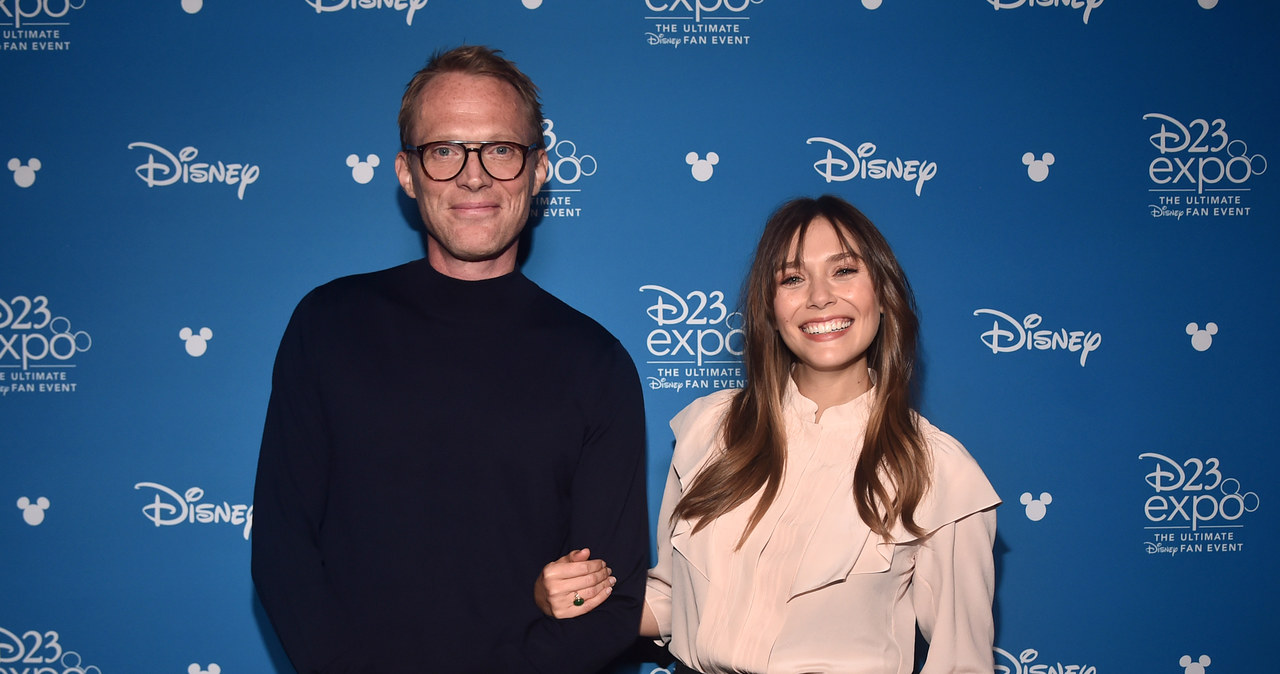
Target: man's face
{"type": "Point", "coordinates": [473, 221]}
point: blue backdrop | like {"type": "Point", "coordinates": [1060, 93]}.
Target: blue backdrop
{"type": "Point", "coordinates": [1078, 189]}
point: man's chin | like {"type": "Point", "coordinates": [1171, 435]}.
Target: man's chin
{"type": "Point", "coordinates": [479, 254]}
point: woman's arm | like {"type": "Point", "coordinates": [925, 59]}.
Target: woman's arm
{"type": "Point", "coordinates": [952, 591]}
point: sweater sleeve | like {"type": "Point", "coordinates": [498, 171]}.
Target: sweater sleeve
{"type": "Point", "coordinates": [609, 515]}
{"type": "Point", "coordinates": [289, 500]}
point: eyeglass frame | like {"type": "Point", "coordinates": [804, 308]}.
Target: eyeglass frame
{"type": "Point", "coordinates": [466, 156]}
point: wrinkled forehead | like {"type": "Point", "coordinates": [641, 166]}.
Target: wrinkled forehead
{"type": "Point", "coordinates": [481, 101]}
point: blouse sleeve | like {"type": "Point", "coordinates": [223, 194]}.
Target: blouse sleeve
{"type": "Point", "coordinates": [657, 593]}
{"type": "Point", "coordinates": [696, 429]}
{"type": "Point", "coordinates": [952, 590]}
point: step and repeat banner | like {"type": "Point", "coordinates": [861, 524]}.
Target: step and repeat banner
{"type": "Point", "coordinates": [1079, 190]}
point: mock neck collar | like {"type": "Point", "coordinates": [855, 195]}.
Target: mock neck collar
{"type": "Point", "coordinates": [492, 299]}
{"type": "Point", "coordinates": [806, 410]}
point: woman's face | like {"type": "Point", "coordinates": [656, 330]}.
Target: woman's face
{"type": "Point", "coordinates": [826, 307]}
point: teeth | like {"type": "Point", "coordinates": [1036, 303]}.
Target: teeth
{"type": "Point", "coordinates": [829, 326]}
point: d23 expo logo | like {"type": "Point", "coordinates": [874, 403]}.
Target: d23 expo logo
{"type": "Point", "coordinates": [697, 342]}
{"type": "Point", "coordinates": [44, 12]}
{"type": "Point", "coordinates": [1201, 170]}
{"type": "Point", "coordinates": [680, 23]}
{"type": "Point", "coordinates": [1195, 508]}
{"type": "Point", "coordinates": [37, 652]}
{"type": "Point", "coordinates": [37, 347]}
{"type": "Point", "coordinates": [566, 168]}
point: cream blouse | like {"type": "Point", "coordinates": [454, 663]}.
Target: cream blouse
{"type": "Point", "coordinates": [813, 589]}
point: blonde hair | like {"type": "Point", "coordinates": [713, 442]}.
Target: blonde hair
{"type": "Point", "coordinates": [471, 60]}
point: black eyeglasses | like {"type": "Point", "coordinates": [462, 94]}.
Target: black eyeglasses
{"type": "Point", "coordinates": [443, 160]}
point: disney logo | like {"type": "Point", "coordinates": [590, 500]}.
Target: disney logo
{"type": "Point", "coordinates": [1088, 5]}
{"type": "Point", "coordinates": [1157, 548]}
{"type": "Point", "coordinates": [411, 6]}
{"type": "Point", "coordinates": [656, 39]}
{"type": "Point", "coordinates": [1021, 334]}
{"type": "Point", "coordinates": [859, 164]}
{"type": "Point", "coordinates": [1161, 211]}
{"type": "Point", "coordinates": [180, 167]}
{"type": "Point", "coordinates": [169, 509]}
{"type": "Point", "coordinates": [659, 384]}
{"type": "Point", "coordinates": [1023, 664]}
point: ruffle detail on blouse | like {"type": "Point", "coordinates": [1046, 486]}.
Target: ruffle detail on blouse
{"type": "Point", "coordinates": [696, 429]}
{"type": "Point", "coordinates": [958, 489]}
{"type": "Point", "coordinates": [841, 544]}
{"type": "Point", "coordinates": [838, 543]}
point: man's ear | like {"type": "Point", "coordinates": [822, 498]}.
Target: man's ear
{"type": "Point", "coordinates": [404, 171]}
{"type": "Point", "coordinates": [542, 171]}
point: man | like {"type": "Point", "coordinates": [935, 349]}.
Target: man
{"type": "Point", "coordinates": [439, 431]}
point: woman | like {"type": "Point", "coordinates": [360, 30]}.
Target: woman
{"type": "Point", "coordinates": [812, 520]}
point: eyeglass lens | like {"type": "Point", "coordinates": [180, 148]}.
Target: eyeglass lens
{"type": "Point", "coordinates": [444, 161]}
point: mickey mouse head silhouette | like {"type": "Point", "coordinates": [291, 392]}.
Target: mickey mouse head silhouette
{"type": "Point", "coordinates": [33, 513]}
{"type": "Point", "coordinates": [1038, 169]}
{"type": "Point", "coordinates": [1197, 667]}
{"type": "Point", "coordinates": [24, 176]}
{"type": "Point", "coordinates": [1036, 508]}
{"type": "Point", "coordinates": [1201, 340]}
{"type": "Point", "coordinates": [197, 344]}
{"type": "Point", "coordinates": [362, 171]}
{"type": "Point", "coordinates": [702, 168]}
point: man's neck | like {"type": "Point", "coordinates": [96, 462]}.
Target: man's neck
{"type": "Point", "coordinates": [467, 270]}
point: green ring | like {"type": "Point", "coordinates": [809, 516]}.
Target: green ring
{"type": "Point", "coordinates": [578, 600]}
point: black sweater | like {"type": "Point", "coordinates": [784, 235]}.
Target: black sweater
{"type": "Point", "coordinates": [430, 444]}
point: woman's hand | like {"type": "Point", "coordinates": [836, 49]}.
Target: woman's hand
{"type": "Point", "coordinates": [573, 585]}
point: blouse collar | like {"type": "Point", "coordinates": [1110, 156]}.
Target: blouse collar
{"type": "Point", "coordinates": [805, 410]}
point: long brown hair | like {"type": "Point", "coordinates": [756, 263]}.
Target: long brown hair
{"type": "Point", "coordinates": [891, 475]}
